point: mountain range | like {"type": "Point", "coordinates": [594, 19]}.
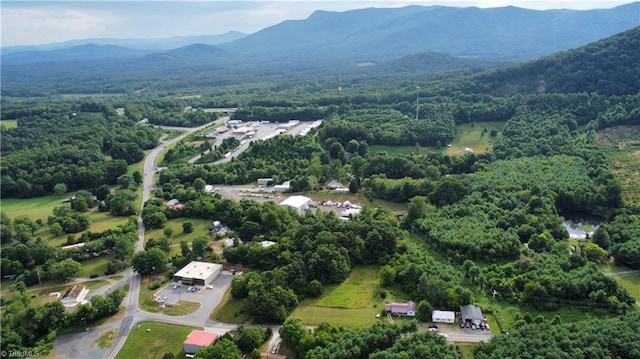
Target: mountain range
{"type": "Point", "coordinates": [425, 39]}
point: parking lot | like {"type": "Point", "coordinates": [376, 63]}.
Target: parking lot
{"type": "Point", "coordinates": [208, 296]}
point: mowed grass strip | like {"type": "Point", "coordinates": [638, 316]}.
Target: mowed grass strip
{"type": "Point", "coordinates": [150, 340]}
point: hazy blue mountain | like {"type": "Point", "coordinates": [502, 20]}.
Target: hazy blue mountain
{"type": "Point", "coordinates": [157, 44]}
{"type": "Point", "coordinates": [376, 34]}
{"type": "Point", "coordinates": [87, 52]}
{"type": "Point", "coordinates": [194, 53]}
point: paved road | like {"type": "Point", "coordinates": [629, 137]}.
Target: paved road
{"type": "Point", "coordinates": [133, 313]}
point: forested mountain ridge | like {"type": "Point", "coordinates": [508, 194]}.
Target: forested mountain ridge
{"type": "Point", "coordinates": [609, 67]}
{"type": "Point", "coordinates": [493, 33]}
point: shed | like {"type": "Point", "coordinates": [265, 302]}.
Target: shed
{"type": "Point", "coordinates": [471, 313]}
{"type": "Point", "coordinates": [285, 186]}
{"type": "Point", "coordinates": [265, 181]}
{"type": "Point", "coordinates": [198, 273]}
{"type": "Point", "coordinates": [442, 316]}
{"type": "Point", "coordinates": [197, 340]}
{"type": "Point", "coordinates": [299, 203]}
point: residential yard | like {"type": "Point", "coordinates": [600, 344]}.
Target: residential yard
{"type": "Point", "coordinates": [200, 229]}
{"type": "Point", "coordinates": [355, 302]}
{"type": "Point", "coordinates": [101, 221]}
{"type": "Point", "coordinates": [150, 340]}
{"type": "Point", "coordinates": [96, 265]}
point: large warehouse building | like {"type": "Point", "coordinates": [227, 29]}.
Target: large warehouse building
{"type": "Point", "coordinates": [198, 273]}
{"type": "Point", "coordinates": [299, 203]}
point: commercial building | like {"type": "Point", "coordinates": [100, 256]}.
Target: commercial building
{"type": "Point", "coordinates": [281, 188]}
{"type": "Point", "coordinates": [197, 340]}
{"type": "Point", "coordinates": [443, 316]}
{"type": "Point", "coordinates": [198, 273]}
{"type": "Point", "coordinates": [471, 313]}
{"type": "Point", "coordinates": [299, 203]}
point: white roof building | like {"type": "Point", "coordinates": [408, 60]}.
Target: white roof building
{"type": "Point", "coordinates": [284, 187]}
{"type": "Point", "coordinates": [299, 203]}
{"type": "Point", "coordinates": [198, 273]}
{"type": "Point", "coordinates": [443, 316]}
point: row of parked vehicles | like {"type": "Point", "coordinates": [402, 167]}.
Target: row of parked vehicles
{"type": "Point", "coordinates": [482, 326]}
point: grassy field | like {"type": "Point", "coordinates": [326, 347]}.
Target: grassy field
{"type": "Point", "coordinates": [621, 145]}
{"type": "Point", "coordinates": [354, 302]}
{"type": "Point", "coordinates": [35, 208]}
{"type": "Point", "coordinates": [9, 123]}
{"type": "Point", "coordinates": [183, 307]}
{"type": "Point", "coordinates": [474, 136]}
{"type": "Point", "coordinates": [152, 340]}
{"type": "Point", "coordinates": [468, 135]}
{"type": "Point", "coordinates": [200, 229]}
{"type": "Point", "coordinates": [631, 282]}
{"type": "Point", "coordinates": [96, 265]}
{"type": "Point", "coordinates": [230, 310]}
{"type": "Point", "coordinates": [101, 221]}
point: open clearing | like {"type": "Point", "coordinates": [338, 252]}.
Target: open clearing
{"type": "Point", "coordinates": [200, 229]}
{"type": "Point", "coordinates": [621, 145]}
{"type": "Point", "coordinates": [355, 302]}
{"type": "Point", "coordinates": [475, 136]}
{"type": "Point", "coordinates": [631, 282]}
{"type": "Point", "coordinates": [152, 340]}
{"type": "Point", "coordinates": [9, 123]}
{"type": "Point", "coordinates": [35, 208]}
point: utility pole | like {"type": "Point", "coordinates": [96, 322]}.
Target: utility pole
{"type": "Point", "coordinates": [417, 102]}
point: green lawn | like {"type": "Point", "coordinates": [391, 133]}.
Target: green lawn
{"type": "Point", "coordinates": [97, 265]}
{"type": "Point", "coordinates": [101, 221]}
{"type": "Point", "coordinates": [474, 136]}
{"type": "Point", "coordinates": [152, 340]}
{"type": "Point", "coordinates": [355, 302]}
{"type": "Point", "coordinates": [230, 310]}
{"type": "Point", "coordinates": [631, 282]}
{"type": "Point", "coordinates": [200, 229]}
{"type": "Point", "coordinates": [35, 208]}
{"type": "Point", "coordinates": [468, 135]}
{"type": "Point", "coordinates": [9, 123]}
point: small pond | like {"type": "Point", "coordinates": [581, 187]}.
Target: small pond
{"type": "Point", "coordinates": [580, 228]}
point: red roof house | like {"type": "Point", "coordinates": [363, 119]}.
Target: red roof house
{"type": "Point", "coordinates": [406, 309]}
{"type": "Point", "coordinates": [198, 339]}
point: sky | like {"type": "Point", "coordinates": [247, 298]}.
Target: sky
{"type": "Point", "coordinates": [45, 22]}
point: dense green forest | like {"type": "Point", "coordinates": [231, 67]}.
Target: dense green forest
{"type": "Point", "coordinates": [479, 224]}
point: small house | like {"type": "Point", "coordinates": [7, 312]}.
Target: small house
{"type": "Point", "coordinates": [407, 309]}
